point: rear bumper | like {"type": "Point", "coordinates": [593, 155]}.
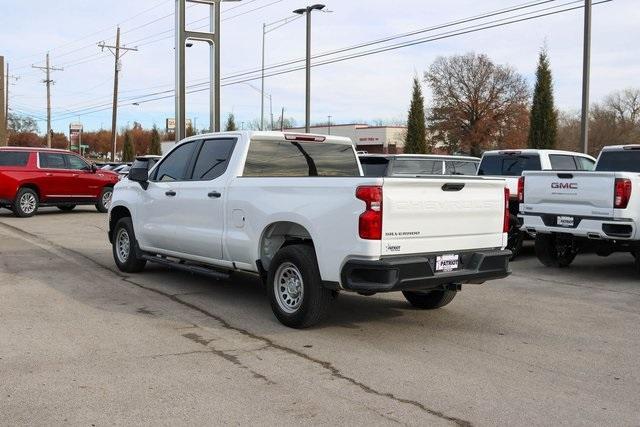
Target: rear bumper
{"type": "Point", "coordinates": [418, 272]}
{"type": "Point", "coordinates": [586, 227]}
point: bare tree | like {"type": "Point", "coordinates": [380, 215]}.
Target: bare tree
{"type": "Point", "coordinates": [476, 104]}
{"type": "Point", "coordinates": [625, 104]}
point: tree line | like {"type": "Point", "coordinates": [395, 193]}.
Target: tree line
{"type": "Point", "coordinates": [477, 105]}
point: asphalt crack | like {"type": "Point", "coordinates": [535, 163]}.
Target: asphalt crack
{"type": "Point", "coordinates": [333, 371]}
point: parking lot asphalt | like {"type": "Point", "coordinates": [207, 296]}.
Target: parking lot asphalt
{"type": "Point", "coordinates": [81, 343]}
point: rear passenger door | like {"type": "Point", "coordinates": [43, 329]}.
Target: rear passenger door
{"type": "Point", "coordinates": [201, 198]}
{"type": "Point", "coordinates": [54, 180]}
{"type": "Point", "coordinates": [159, 209]}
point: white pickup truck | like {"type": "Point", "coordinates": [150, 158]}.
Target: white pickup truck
{"type": "Point", "coordinates": [510, 164]}
{"type": "Point", "coordinates": [571, 211]}
{"type": "Point", "coordinates": [296, 210]}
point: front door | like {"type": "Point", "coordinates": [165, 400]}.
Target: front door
{"type": "Point", "coordinates": [201, 201]}
{"type": "Point", "coordinates": [83, 182]}
{"type": "Point", "coordinates": [160, 209]}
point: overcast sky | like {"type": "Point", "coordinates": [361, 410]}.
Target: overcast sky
{"type": "Point", "coordinates": [362, 89]}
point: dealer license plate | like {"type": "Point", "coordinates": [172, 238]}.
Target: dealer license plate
{"type": "Point", "coordinates": [447, 262]}
{"type": "Point", "coordinates": [565, 221]}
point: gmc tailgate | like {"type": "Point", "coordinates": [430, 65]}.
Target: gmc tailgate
{"type": "Point", "coordinates": [442, 214]}
{"type": "Point", "coordinates": [584, 194]}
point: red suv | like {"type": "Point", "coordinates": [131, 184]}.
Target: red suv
{"type": "Point", "coordinates": [33, 177]}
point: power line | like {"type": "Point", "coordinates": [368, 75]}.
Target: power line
{"type": "Point", "coordinates": [389, 38]}
{"type": "Point", "coordinates": [477, 28]}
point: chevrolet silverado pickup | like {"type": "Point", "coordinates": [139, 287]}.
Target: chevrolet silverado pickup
{"type": "Point", "coordinates": [574, 211]}
{"type": "Point", "coordinates": [510, 164]}
{"type": "Point", "coordinates": [296, 210]}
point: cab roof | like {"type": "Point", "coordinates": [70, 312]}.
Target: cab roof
{"type": "Point", "coordinates": [534, 151]}
{"type": "Point", "coordinates": [422, 156]}
{"type": "Point", "coordinates": [44, 149]}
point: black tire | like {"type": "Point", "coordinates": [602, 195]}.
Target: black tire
{"type": "Point", "coordinates": [315, 299]}
{"type": "Point", "coordinates": [67, 208]}
{"type": "Point", "coordinates": [515, 239]}
{"type": "Point", "coordinates": [26, 203]}
{"type": "Point", "coordinates": [553, 251]}
{"type": "Point", "coordinates": [429, 300]}
{"type": "Point", "coordinates": [131, 262]}
{"type": "Point", "coordinates": [103, 201]}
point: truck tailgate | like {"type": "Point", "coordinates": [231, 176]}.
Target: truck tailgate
{"type": "Point", "coordinates": [427, 215]}
{"type": "Point", "coordinates": [572, 193]}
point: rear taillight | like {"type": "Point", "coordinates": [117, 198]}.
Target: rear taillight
{"type": "Point", "coordinates": [370, 222]}
{"type": "Point", "coordinates": [521, 189]}
{"type": "Point", "coordinates": [622, 193]}
{"type": "Point", "coordinates": [505, 222]}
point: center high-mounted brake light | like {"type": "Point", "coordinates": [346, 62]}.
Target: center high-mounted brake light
{"type": "Point", "coordinates": [506, 221]}
{"type": "Point", "coordinates": [370, 221]}
{"type": "Point", "coordinates": [304, 138]}
{"type": "Point", "coordinates": [622, 193]}
{"type": "Point", "coordinates": [521, 189]}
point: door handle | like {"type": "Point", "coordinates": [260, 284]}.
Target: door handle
{"type": "Point", "coordinates": [214, 195]}
{"type": "Point", "coordinates": [49, 174]}
{"type": "Point", "coordinates": [75, 175]}
{"type": "Point", "coordinates": [170, 193]}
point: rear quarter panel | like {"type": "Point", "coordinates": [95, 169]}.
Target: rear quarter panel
{"type": "Point", "coordinates": [13, 177]}
{"type": "Point", "coordinates": [326, 207]}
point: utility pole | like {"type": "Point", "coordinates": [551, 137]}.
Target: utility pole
{"type": "Point", "coordinates": [308, 10]}
{"type": "Point", "coordinates": [8, 79]}
{"type": "Point", "coordinates": [586, 68]}
{"type": "Point", "coordinates": [47, 69]}
{"type": "Point", "coordinates": [115, 50]}
{"type": "Point", "coordinates": [282, 120]}
{"type": "Point", "coordinates": [3, 112]}
{"type": "Point", "coordinates": [264, 35]}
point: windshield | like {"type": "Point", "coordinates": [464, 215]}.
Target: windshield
{"type": "Point", "coordinates": [619, 161]}
{"type": "Point", "coordinates": [508, 164]}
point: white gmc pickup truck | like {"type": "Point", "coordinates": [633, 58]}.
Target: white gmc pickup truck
{"type": "Point", "coordinates": [296, 210]}
{"type": "Point", "coordinates": [572, 211]}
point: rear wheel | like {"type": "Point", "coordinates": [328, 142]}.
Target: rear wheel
{"type": "Point", "coordinates": [554, 251]}
{"type": "Point", "coordinates": [104, 201]}
{"type": "Point", "coordinates": [430, 299]}
{"type": "Point", "coordinates": [295, 289]}
{"type": "Point", "coordinates": [67, 208]}
{"type": "Point", "coordinates": [125, 247]}
{"type": "Point", "coordinates": [26, 203]}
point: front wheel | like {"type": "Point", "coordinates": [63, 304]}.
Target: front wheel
{"type": "Point", "coordinates": [125, 247]}
{"type": "Point", "coordinates": [295, 289]}
{"type": "Point", "coordinates": [104, 201]}
{"type": "Point", "coordinates": [553, 251]}
{"type": "Point", "coordinates": [429, 300]}
{"type": "Point", "coordinates": [26, 203]}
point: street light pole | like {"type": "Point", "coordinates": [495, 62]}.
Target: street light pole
{"type": "Point", "coordinates": [264, 35]}
{"type": "Point", "coordinates": [586, 66]}
{"type": "Point", "coordinates": [308, 10]}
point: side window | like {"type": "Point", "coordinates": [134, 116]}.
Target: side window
{"type": "Point", "coordinates": [174, 166]}
{"type": "Point", "coordinates": [560, 162]}
{"type": "Point", "coordinates": [76, 162]}
{"type": "Point", "coordinates": [14, 158]}
{"type": "Point", "coordinates": [460, 168]}
{"type": "Point", "coordinates": [213, 159]}
{"type": "Point", "coordinates": [52, 161]}
{"type": "Point", "coordinates": [585, 164]}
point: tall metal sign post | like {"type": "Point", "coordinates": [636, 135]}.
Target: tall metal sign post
{"type": "Point", "coordinates": [213, 39]}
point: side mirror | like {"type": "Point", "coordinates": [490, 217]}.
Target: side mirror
{"type": "Point", "coordinates": [94, 168]}
{"type": "Point", "coordinates": [139, 175]}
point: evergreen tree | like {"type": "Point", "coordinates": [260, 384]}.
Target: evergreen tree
{"type": "Point", "coordinates": [128, 152]}
{"type": "Point", "coordinates": [155, 148]}
{"type": "Point", "coordinates": [231, 123]}
{"type": "Point", "coordinates": [416, 139]}
{"type": "Point", "coordinates": [543, 126]}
